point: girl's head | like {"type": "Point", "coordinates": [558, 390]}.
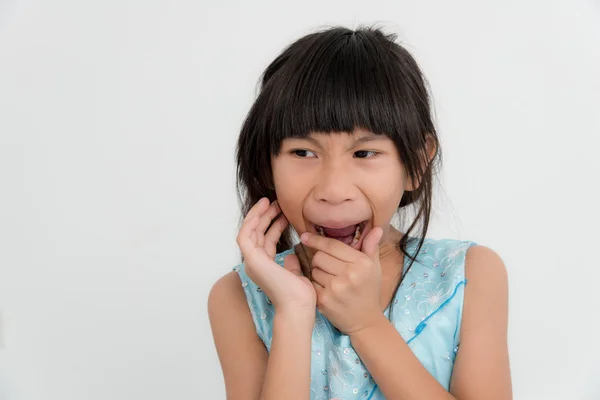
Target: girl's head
{"type": "Point", "coordinates": [341, 134]}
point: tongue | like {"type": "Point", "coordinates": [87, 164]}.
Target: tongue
{"type": "Point", "coordinates": [339, 232]}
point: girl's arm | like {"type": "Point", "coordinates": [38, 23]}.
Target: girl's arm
{"type": "Point", "coordinates": [248, 369]}
{"type": "Point", "coordinates": [288, 370]}
{"type": "Point", "coordinates": [482, 368]}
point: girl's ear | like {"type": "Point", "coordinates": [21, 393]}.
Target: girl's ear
{"type": "Point", "coordinates": [430, 150]}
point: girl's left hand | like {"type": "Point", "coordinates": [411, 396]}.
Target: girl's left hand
{"type": "Point", "coordinates": [347, 281]}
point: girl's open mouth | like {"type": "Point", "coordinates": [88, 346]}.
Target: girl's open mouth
{"type": "Point", "coordinates": [350, 234]}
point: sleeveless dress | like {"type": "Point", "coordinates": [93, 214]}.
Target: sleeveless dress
{"type": "Point", "coordinates": [427, 313]}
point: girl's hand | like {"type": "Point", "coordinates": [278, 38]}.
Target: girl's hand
{"type": "Point", "coordinates": [287, 289]}
{"type": "Point", "coordinates": [347, 281]}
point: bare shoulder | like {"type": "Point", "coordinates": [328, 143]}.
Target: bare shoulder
{"type": "Point", "coordinates": [486, 292]}
{"type": "Point", "coordinates": [227, 305]}
{"type": "Point", "coordinates": [482, 259]}
{"type": "Point", "coordinates": [485, 270]}
{"type": "Point", "coordinates": [227, 291]}
{"type": "Point", "coordinates": [242, 354]}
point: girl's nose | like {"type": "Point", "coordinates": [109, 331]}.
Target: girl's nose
{"type": "Point", "coordinates": [334, 185]}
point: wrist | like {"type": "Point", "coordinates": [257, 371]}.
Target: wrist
{"type": "Point", "coordinates": [378, 323]}
{"type": "Point", "coordinates": [296, 319]}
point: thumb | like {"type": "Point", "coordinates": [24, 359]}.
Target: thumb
{"type": "Point", "coordinates": [292, 264]}
{"type": "Point", "coordinates": [370, 244]}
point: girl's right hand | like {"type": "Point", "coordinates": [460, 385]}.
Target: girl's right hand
{"type": "Point", "coordinates": [288, 290]}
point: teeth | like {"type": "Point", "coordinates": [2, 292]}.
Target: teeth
{"type": "Point", "coordinates": [357, 234]}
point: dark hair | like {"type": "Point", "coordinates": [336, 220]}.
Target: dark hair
{"type": "Point", "coordinates": [336, 80]}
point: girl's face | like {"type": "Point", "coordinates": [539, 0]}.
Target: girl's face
{"type": "Point", "coordinates": [330, 184]}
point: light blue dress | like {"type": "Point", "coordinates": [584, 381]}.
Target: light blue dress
{"type": "Point", "coordinates": [427, 313]}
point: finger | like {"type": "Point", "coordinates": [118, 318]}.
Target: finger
{"type": "Point", "coordinates": [334, 247]}
{"type": "Point", "coordinates": [370, 245]}
{"type": "Point", "coordinates": [265, 220]}
{"type": "Point", "coordinates": [292, 264]}
{"type": "Point", "coordinates": [246, 231]}
{"type": "Point", "coordinates": [321, 277]}
{"type": "Point", "coordinates": [257, 209]}
{"type": "Point", "coordinates": [318, 288]}
{"type": "Point", "coordinates": [274, 234]}
{"type": "Point", "coordinates": [328, 263]}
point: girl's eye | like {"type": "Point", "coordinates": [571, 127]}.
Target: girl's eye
{"type": "Point", "coordinates": [365, 154]}
{"type": "Point", "coordinates": [303, 153]}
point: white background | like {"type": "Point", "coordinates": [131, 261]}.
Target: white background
{"type": "Point", "coordinates": [118, 121]}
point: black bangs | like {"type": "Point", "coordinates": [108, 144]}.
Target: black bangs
{"type": "Point", "coordinates": [339, 80]}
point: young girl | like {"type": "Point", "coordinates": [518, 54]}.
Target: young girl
{"type": "Point", "coordinates": [339, 141]}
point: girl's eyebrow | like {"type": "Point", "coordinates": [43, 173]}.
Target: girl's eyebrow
{"type": "Point", "coordinates": [368, 138]}
{"type": "Point", "coordinates": [360, 140]}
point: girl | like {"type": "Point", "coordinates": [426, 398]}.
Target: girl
{"type": "Point", "coordinates": [339, 141]}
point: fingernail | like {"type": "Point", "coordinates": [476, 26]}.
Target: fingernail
{"type": "Point", "coordinates": [304, 237]}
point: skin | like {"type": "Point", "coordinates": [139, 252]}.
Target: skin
{"type": "Point", "coordinates": [339, 179]}
{"type": "Point", "coordinates": [334, 180]}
